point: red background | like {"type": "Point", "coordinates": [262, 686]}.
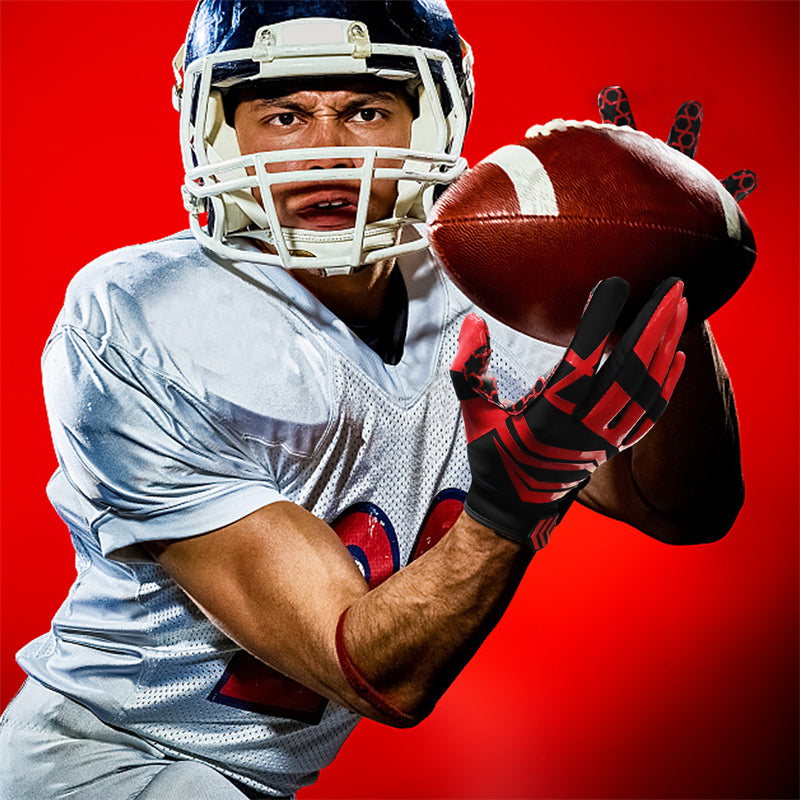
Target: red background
{"type": "Point", "coordinates": [624, 668]}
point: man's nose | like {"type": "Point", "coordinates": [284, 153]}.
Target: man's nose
{"type": "Point", "coordinates": [329, 132]}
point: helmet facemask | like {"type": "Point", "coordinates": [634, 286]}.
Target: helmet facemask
{"type": "Point", "coordinates": [234, 192]}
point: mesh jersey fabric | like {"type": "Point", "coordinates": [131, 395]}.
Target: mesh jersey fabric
{"type": "Point", "coordinates": [184, 392]}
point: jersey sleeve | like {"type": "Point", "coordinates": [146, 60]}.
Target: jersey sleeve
{"type": "Point", "coordinates": [152, 460]}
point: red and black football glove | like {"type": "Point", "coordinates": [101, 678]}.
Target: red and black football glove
{"type": "Point", "coordinates": [529, 460]}
{"type": "Point", "coordinates": [615, 109]}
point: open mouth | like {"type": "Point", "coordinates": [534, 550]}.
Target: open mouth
{"type": "Point", "coordinates": [330, 210]}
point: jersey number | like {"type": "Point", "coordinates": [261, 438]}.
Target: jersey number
{"type": "Point", "coordinates": [368, 534]}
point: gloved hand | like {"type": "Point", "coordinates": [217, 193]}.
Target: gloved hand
{"type": "Point", "coordinates": [684, 134]}
{"type": "Point", "coordinates": [529, 460]}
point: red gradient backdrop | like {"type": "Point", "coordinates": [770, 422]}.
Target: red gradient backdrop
{"type": "Point", "coordinates": [624, 668]}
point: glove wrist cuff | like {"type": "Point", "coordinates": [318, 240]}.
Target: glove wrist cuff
{"type": "Point", "coordinates": [513, 521]}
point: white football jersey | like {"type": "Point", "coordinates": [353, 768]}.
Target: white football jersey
{"type": "Point", "coordinates": [185, 392]}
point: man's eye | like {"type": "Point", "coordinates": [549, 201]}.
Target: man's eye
{"type": "Point", "coordinates": [366, 115]}
{"type": "Point", "coordinates": [287, 118]}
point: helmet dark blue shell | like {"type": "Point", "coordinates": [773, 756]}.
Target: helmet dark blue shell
{"type": "Point", "coordinates": [222, 25]}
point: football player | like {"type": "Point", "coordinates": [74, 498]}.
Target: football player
{"type": "Point", "coordinates": [285, 518]}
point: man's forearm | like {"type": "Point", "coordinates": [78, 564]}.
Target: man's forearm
{"type": "Point", "coordinates": [682, 483]}
{"type": "Point", "coordinates": [413, 634]}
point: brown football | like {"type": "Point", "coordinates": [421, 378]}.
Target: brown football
{"type": "Point", "coordinates": [528, 232]}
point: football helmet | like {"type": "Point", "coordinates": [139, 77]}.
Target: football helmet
{"type": "Point", "coordinates": [228, 195]}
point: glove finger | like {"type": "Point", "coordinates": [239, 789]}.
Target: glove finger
{"type": "Point", "coordinates": [740, 184]}
{"type": "Point", "coordinates": [648, 400]}
{"type": "Point", "coordinates": [641, 338]}
{"type": "Point", "coordinates": [621, 377]}
{"type": "Point", "coordinates": [572, 378]}
{"type": "Point", "coordinates": [660, 364]}
{"type": "Point", "coordinates": [599, 317]}
{"type": "Point", "coordinates": [470, 371]}
{"type": "Point", "coordinates": [685, 131]}
{"type": "Point", "coordinates": [612, 102]}
{"type": "Point", "coordinates": [657, 409]}
{"type": "Point", "coordinates": [473, 337]}
{"type": "Point", "coordinates": [659, 322]}
{"type": "Point", "coordinates": [675, 372]}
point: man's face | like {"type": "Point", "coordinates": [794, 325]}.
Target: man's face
{"type": "Point", "coordinates": [349, 113]}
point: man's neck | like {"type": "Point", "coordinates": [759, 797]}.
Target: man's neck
{"type": "Point", "coordinates": [358, 297]}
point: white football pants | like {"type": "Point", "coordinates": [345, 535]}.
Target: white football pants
{"type": "Point", "coordinates": [52, 748]}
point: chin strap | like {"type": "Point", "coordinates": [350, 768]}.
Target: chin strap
{"type": "Point", "coordinates": [304, 248]}
{"type": "Point", "coordinates": [362, 686]}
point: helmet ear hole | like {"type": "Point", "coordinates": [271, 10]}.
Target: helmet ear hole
{"type": "Point", "coordinates": [230, 101]}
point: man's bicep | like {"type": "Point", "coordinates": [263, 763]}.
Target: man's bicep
{"type": "Point", "coordinates": [276, 582]}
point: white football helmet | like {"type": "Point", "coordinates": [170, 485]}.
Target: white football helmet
{"type": "Point", "coordinates": [232, 43]}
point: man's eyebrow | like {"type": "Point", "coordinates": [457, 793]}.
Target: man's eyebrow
{"type": "Point", "coordinates": [283, 102]}
{"type": "Point", "coordinates": [358, 99]}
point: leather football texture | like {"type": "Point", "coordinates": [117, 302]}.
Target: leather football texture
{"type": "Point", "coordinates": [529, 231]}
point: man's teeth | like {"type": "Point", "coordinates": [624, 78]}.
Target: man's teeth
{"type": "Point", "coordinates": [332, 204]}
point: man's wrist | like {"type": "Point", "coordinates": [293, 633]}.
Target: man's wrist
{"type": "Point", "coordinates": [526, 523]}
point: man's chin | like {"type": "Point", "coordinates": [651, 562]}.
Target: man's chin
{"type": "Point", "coordinates": [309, 270]}
{"type": "Point", "coordinates": [313, 272]}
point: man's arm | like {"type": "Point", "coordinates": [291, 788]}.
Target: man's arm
{"type": "Point", "coordinates": [279, 581]}
{"type": "Point", "coordinates": [682, 483]}
{"type": "Point", "coordinates": [281, 584]}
